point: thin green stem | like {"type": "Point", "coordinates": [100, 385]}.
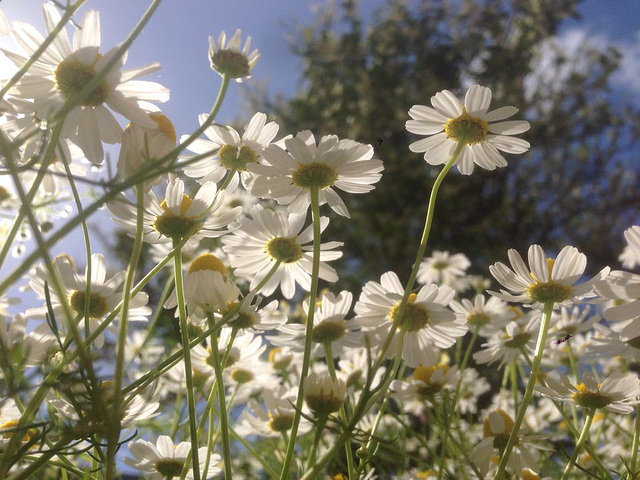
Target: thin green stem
{"type": "Point", "coordinates": [184, 330]}
{"type": "Point", "coordinates": [114, 430]}
{"type": "Point", "coordinates": [463, 365]}
{"type": "Point", "coordinates": [316, 441]}
{"type": "Point", "coordinates": [528, 393]}
{"type": "Point", "coordinates": [576, 451]}
{"type": "Point", "coordinates": [306, 359]}
{"type": "Point", "coordinates": [328, 351]}
{"type": "Point", "coordinates": [222, 403]}
{"type": "Point", "coordinates": [635, 444]}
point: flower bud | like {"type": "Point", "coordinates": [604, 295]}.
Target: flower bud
{"type": "Point", "coordinates": [323, 395]}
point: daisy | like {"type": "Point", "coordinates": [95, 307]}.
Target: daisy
{"type": "Point", "coordinates": [31, 348]}
{"type": "Point", "coordinates": [630, 258]}
{"type": "Point", "coordinates": [322, 394]}
{"type": "Point", "coordinates": [142, 145]}
{"type": "Point", "coordinates": [228, 152]}
{"type": "Point", "coordinates": [572, 321]}
{"type": "Point", "coordinates": [507, 346]}
{"type": "Point", "coordinates": [63, 70]}
{"type": "Point", "coordinates": [177, 214]}
{"type": "Point", "coordinates": [486, 315]}
{"type": "Point", "coordinates": [226, 58]}
{"type": "Point", "coordinates": [495, 431]}
{"type": "Point", "coordinates": [207, 287]}
{"type": "Point", "coordinates": [329, 326]}
{"type": "Point", "coordinates": [608, 343]}
{"type": "Point", "coordinates": [549, 280]}
{"type": "Point", "coordinates": [288, 176]}
{"type": "Point", "coordinates": [425, 382]}
{"type": "Point", "coordinates": [105, 294]}
{"type": "Point", "coordinates": [274, 416]}
{"type": "Point", "coordinates": [450, 122]}
{"type": "Point", "coordinates": [624, 289]}
{"type": "Point", "coordinates": [257, 243]}
{"type": "Point", "coordinates": [166, 460]}
{"type": "Point", "coordinates": [617, 393]}
{"type": "Point", "coordinates": [427, 322]}
{"type": "Point", "coordinates": [444, 269]}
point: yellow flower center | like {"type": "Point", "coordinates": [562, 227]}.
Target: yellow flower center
{"type": "Point", "coordinates": [281, 422]}
{"type": "Point", "coordinates": [169, 467]}
{"type": "Point", "coordinates": [164, 124]}
{"type": "Point", "coordinates": [241, 375]}
{"type": "Point", "coordinates": [285, 249]}
{"type": "Point", "coordinates": [517, 341]}
{"type": "Point", "coordinates": [243, 319]}
{"type": "Point", "coordinates": [414, 317]}
{"type": "Point", "coordinates": [314, 175]}
{"type": "Point", "coordinates": [4, 194]}
{"type": "Point", "coordinates": [71, 77]}
{"type": "Point", "coordinates": [231, 63]}
{"type": "Point", "coordinates": [174, 226]}
{"type": "Point", "coordinates": [588, 399]}
{"type": "Point", "coordinates": [237, 159]}
{"type": "Point", "coordinates": [500, 438]}
{"type": "Point", "coordinates": [97, 303]}
{"type": "Point", "coordinates": [466, 128]}
{"type": "Point", "coordinates": [279, 362]}
{"type": "Point", "coordinates": [12, 426]}
{"type": "Point", "coordinates": [424, 374]}
{"type": "Point", "coordinates": [426, 474]}
{"type": "Point", "coordinates": [528, 474]}
{"type": "Point", "coordinates": [327, 331]}
{"type": "Point", "coordinates": [478, 319]}
{"type": "Point", "coordinates": [208, 261]}
{"type": "Point", "coordinates": [548, 291]}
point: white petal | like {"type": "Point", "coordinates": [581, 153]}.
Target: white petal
{"type": "Point", "coordinates": [477, 100]}
{"type": "Point", "coordinates": [447, 104]}
{"type": "Point", "coordinates": [513, 127]}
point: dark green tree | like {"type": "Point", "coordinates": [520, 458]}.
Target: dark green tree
{"type": "Point", "coordinates": [578, 184]}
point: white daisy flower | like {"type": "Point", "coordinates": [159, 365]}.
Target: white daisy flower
{"type": "Point", "coordinates": [427, 321]}
{"type": "Point", "coordinates": [226, 58]}
{"type": "Point", "coordinates": [143, 144]}
{"type": "Point", "coordinates": [609, 343]}
{"type": "Point", "coordinates": [247, 378]}
{"type": "Point", "coordinates": [630, 257]}
{"type": "Point", "coordinates": [496, 430]}
{"type": "Point", "coordinates": [617, 393]}
{"type": "Point", "coordinates": [444, 269]}
{"type": "Point", "coordinates": [507, 346]}
{"type": "Point", "coordinates": [229, 152]}
{"type": "Point", "coordinates": [274, 417]}
{"type": "Point", "coordinates": [177, 214]}
{"type": "Point", "coordinates": [570, 321]}
{"type": "Point", "coordinates": [267, 237]}
{"type": "Point", "coordinates": [63, 70]}
{"type": "Point", "coordinates": [288, 176]}
{"type": "Point", "coordinates": [329, 326]}
{"type": "Point", "coordinates": [31, 348]}
{"type": "Point", "coordinates": [425, 382]}
{"type": "Point", "coordinates": [624, 289]}
{"type": "Point", "coordinates": [105, 294]}
{"type": "Point", "coordinates": [450, 122]}
{"type": "Point", "coordinates": [549, 280]}
{"type": "Point", "coordinates": [487, 315]}
{"type": "Point", "coordinates": [472, 387]}
{"type": "Point", "coordinates": [166, 460]}
{"type": "Point", "coordinates": [207, 287]}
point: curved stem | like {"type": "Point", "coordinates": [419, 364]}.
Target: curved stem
{"type": "Point", "coordinates": [316, 441]}
{"type": "Point", "coordinates": [306, 359]}
{"type": "Point", "coordinates": [528, 393]}
{"type": "Point", "coordinates": [581, 439]}
{"type": "Point", "coordinates": [184, 328]}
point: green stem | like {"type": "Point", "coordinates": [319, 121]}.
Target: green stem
{"type": "Point", "coordinates": [316, 441]}
{"type": "Point", "coordinates": [184, 328]}
{"type": "Point", "coordinates": [634, 445]}
{"type": "Point", "coordinates": [463, 365]}
{"type": "Point", "coordinates": [513, 375]}
{"type": "Point", "coordinates": [576, 451]}
{"type": "Point", "coordinates": [528, 393]}
{"type": "Point", "coordinates": [343, 413]}
{"type": "Point", "coordinates": [114, 430]}
{"type": "Point", "coordinates": [306, 359]}
{"type": "Point", "coordinates": [224, 427]}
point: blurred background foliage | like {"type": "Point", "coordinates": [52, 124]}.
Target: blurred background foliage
{"type": "Point", "coordinates": [578, 185]}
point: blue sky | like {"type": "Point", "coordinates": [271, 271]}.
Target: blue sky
{"type": "Point", "coordinates": [177, 38]}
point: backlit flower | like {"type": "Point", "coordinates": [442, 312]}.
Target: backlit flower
{"type": "Point", "coordinates": [450, 122]}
